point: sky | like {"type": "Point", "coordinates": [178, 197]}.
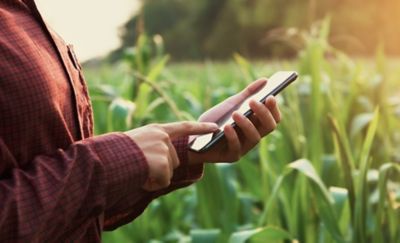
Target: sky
{"type": "Point", "coordinates": [92, 26]}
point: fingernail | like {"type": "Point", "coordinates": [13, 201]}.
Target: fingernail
{"type": "Point", "coordinates": [255, 101]}
{"type": "Point", "coordinates": [263, 81]}
{"type": "Point", "coordinates": [269, 98]}
{"type": "Point", "coordinates": [238, 115]}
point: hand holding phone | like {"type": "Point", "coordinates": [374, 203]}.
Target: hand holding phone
{"type": "Point", "coordinates": [275, 84]}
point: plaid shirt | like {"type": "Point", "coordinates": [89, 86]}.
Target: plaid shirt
{"type": "Point", "coordinates": [58, 183]}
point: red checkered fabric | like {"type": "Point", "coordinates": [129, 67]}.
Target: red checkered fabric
{"type": "Point", "coordinates": [58, 183]}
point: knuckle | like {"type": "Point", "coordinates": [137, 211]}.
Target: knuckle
{"type": "Point", "coordinates": [164, 137]}
{"type": "Point", "coordinates": [164, 149]}
{"type": "Point", "coordinates": [164, 167]}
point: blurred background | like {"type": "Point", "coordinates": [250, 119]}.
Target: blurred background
{"type": "Point", "coordinates": [329, 173]}
{"type": "Point", "coordinates": [216, 29]}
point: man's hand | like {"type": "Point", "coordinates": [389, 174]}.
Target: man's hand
{"type": "Point", "coordinates": [249, 131]}
{"type": "Point", "coordinates": [155, 142]}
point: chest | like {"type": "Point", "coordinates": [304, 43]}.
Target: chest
{"type": "Point", "coordinates": [44, 104]}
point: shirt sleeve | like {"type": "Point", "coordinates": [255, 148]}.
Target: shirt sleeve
{"type": "Point", "coordinates": [126, 211]}
{"type": "Point", "coordinates": [57, 193]}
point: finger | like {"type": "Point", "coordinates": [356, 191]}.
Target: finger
{"type": "Point", "coordinates": [187, 128]}
{"type": "Point", "coordinates": [225, 107]}
{"type": "Point", "coordinates": [253, 88]}
{"type": "Point", "coordinates": [174, 159]}
{"type": "Point", "coordinates": [266, 122]}
{"type": "Point", "coordinates": [233, 143]}
{"type": "Point", "coordinates": [252, 136]}
{"type": "Point", "coordinates": [273, 108]}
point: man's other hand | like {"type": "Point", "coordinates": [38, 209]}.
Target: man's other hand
{"type": "Point", "coordinates": [249, 131]}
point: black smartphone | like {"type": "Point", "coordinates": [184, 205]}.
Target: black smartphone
{"type": "Point", "coordinates": [276, 83]}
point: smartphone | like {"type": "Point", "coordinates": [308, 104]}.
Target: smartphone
{"type": "Point", "coordinates": [276, 83]}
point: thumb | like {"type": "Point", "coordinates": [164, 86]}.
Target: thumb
{"type": "Point", "coordinates": [252, 88]}
{"type": "Point", "coordinates": [227, 106]}
{"type": "Point", "coordinates": [186, 128]}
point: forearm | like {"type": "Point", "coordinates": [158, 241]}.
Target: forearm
{"type": "Point", "coordinates": [59, 192]}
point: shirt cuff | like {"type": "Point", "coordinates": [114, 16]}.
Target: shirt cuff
{"type": "Point", "coordinates": [185, 172]}
{"type": "Point", "coordinates": [125, 165]}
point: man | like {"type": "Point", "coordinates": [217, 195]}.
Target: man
{"type": "Point", "coordinates": [59, 183]}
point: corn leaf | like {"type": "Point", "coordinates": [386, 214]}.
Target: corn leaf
{"type": "Point", "coordinates": [266, 234]}
{"type": "Point", "coordinates": [205, 236]}
{"type": "Point", "coordinates": [362, 189]}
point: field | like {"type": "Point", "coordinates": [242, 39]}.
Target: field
{"type": "Point", "coordinates": [329, 173]}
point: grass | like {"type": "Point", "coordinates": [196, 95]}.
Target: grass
{"type": "Point", "coordinates": [329, 173]}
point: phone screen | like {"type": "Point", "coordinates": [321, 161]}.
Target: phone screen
{"type": "Point", "coordinates": [275, 84]}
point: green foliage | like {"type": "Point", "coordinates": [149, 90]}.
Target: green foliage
{"type": "Point", "coordinates": [267, 234]}
{"type": "Point", "coordinates": [135, 99]}
{"type": "Point", "coordinates": [328, 174]}
{"type": "Point", "coordinates": [255, 28]}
